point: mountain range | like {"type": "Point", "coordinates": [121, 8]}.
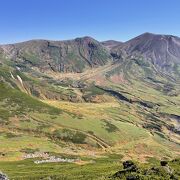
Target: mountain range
{"type": "Point", "coordinates": [81, 53]}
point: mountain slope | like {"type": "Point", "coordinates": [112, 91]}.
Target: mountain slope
{"type": "Point", "coordinates": [111, 43]}
{"type": "Point", "coordinates": [61, 56]}
{"type": "Point", "coordinates": [161, 50]}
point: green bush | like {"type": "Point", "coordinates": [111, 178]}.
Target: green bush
{"type": "Point", "coordinates": [69, 135]}
{"type": "Point", "coordinates": [110, 127]}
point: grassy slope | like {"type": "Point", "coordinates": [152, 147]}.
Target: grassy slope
{"type": "Point", "coordinates": [28, 123]}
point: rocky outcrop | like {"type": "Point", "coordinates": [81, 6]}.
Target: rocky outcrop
{"type": "Point", "coordinates": [163, 163]}
{"type": "Point", "coordinates": [3, 176]}
{"type": "Point", "coordinates": [132, 172]}
{"type": "Point", "coordinates": [128, 166]}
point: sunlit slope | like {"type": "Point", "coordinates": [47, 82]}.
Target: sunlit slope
{"type": "Point", "coordinates": [127, 107]}
{"type": "Point", "coordinates": [114, 125]}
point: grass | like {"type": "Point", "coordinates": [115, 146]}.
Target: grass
{"type": "Point", "coordinates": [111, 122]}
{"type": "Point", "coordinates": [22, 101]}
{"type": "Point", "coordinates": [12, 147]}
{"type": "Point", "coordinates": [93, 119]}
{"type": "Point", "coordinates": [101, 168]}
{"type": "Point", "coordinates": [28, 170]}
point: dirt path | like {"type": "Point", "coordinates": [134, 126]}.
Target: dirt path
{"type": "Point", "coordinates": [99, 141]}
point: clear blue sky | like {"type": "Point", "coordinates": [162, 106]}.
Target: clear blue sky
{"type": "Point", "coordinates": [102, 19]}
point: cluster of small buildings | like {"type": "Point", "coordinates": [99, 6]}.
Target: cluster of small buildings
{"type": "Point", "coordinates": [46, 158]}
{"type": "Point", "coordinates": [55, 159]}
{"type": "Point", "coordinates": [36, 155]}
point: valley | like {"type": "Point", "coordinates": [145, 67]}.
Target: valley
{"type": "Point", "coordinates": [83, 99]}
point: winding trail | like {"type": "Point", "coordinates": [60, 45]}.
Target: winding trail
{"type": "Point", "coordinates": [98, 140]}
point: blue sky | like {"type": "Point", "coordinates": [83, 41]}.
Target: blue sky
{"type": "Point", "coordinates": [102, 19]}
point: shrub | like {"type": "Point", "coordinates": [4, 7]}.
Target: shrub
{"type": "Point", "coordinates": [110, 127]}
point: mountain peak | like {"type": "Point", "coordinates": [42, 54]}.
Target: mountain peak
{"type": "Point", "coordinates": [153, 35]}
{"type": "Point", "coordinates": [162, 50]}
{"type": "Point", "coordinates": [147, 34]}
{"type": "Point", "coordinates": [86, 39]}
